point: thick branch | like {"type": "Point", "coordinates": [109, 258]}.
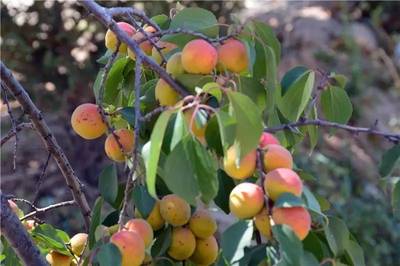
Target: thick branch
{"type": "Point", "coordinates": [17, 236]}
{"type": "Point", "coordinates": [12, 133]}
{"type": "Point", "coordinates": [49, 140]}
{"type": "Point", "coordinates": [48, 208]}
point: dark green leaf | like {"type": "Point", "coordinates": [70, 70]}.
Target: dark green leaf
{"type": "Point", "coordinates": [226, 185]}
{"type": "Point", "coordinates": [128, 113]}
{"type": "Point", "coordinates": [337, 235]}
{"type": "Point", "coordinates": [291, 247]}
{"type": "Point", "coordinates": [143, 200]}
{"type": "Point", "coordinates": [314, 245]}
{"type": "Point", "coordinates": [313, 130]}
{"type": "Point", "coordinates": [213, 137]}
{"type": "Point", "coordinates": [254, 89]}
{"type": "Point", "coordinates": [336, 105]}
{"type": "Point", "coordinates": [227, 127]}
{"type": "Point", "coordinates": [111, 218]}
{"type": "Point", "coordinates": [309, 259]}
{"type": "Point", "coordinates": [355, 252]}
{"type": "Point", "coordinates": [108, 254]}
{"type": "Point", "coordinates": [162, 243]}
{"type": "Point", "coordinates": [389, 161]}
{"type": "Point", "coordinates": [268, 37]}
{"type": "Point", "coordinates": [108, 184]}
{"type": "Point", "coordinates": [95, 221]}
{"type": "Point", "coordinates": [396, 199]}
{"type": "Point", "coordinates": [191, 81]}
{"type": "Point", "coordinates": [291, 76]}
{"type": "Point", "coordinates": [254, 255]}
{"type": "Point", "coordinates": [287, 200]}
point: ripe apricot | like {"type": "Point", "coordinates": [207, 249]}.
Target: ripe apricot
{"type": "Point", "coordinates": [145, 46]}
{"type": "Point", "coordinates": [263, 223]}
{"type": "Point", "coordinates": [246, 200]}
{"type": "Point", "coordinates": [131, 246]}
{"type": "Point", "coordinates": [57, 259]}
{"type": "Point", "coordinates": [276, 156]}
{"type": "Point", "coordinates": [232, 56]}
{"type": "Point", "coordinates": [165, 94]}
{"type": "Point", "coordinates": [297, 218]}
{"type": "Point", "coordinates": [111, 39]}
{"type": "Point", "coordinates": [282, 180]}
{"type": "Point", "coordinates": [199, 57]}
{"type": "Point", "coordinates": [206, 251]}
{"type": "Point", "coordinates": [142, 228]}
{"type": "Point", "coordinates": [244, 169]}
{"type": "Point", "coordinates": [266, 139]}
{"type": "Point", "coordinates": [78, 243]}
{"type": "Point", "coordinates": [174, 65]}
{"type": "Point", "coordinates": [202, 224]}
{"type": "Point", "coordinates": [183, 243]}
{"type": "Point", "coordinates": [154, 219]}
{"type": "Point", "coordinates": [113, 149]}
{"type": "Point", "coordinates": [87, 121]}
{"type": "Point", "coordinates": [174, 210]}
{"type": "Point", "coordinates": [198, 131]}
{"type": "Point", "coordinates": [165, 47]}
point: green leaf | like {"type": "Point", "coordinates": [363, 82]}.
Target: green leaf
{"type": "Point", "coordinates": [162, 243]}
{"type": "Point", "coordinates": [267, 35]}
{"type": "Point", "coordinates": [226, 185]}
{"type": "Point", "coordinates": [191, 81]}
{"type": "Point", "coordinates": [114, 79]}
{"type": "Point", "coordinates": [254, 89]}
{"type": "Point", "coordinates": [108, 184]}
{"type": "Point", "coordinates": [248, 116]}
{"type": "Point", "coordinates": [97, 83]}
{"type": "Point", "coordinates": [161, 20]}
{"type": "Point", "coordinates": [128, 114]}
{"type": "Point", "coordinates": [104, 58]}
{"type": "Point", "coordinates": [51, 238]}
{"type": "Point", "coordinates": [295, 100]}
{"type": "Point", "coordinates": [108, 254]}
{"type": "Point", "coordinates": [389, 160]}
{"type": "Point", "coordinates": [143, 200]}
{"type": "Point", "coordinates": [180, 130]}
{"type": "Point", "coordinates": [156, 140]}
{"type": "Point", "coordinates": [235, 239]}
{"type": "Point", "coordinates": [396, 199]}
{"type": "Point", "coordinates": [313, 130]}
{"type": "Point", "coordinates": [254, 255]}
{"type": "Point", "coordinates": [96, 216]}
{"type": "Point", "coordinates": [355, 252]}
{"type": "Point", "coordinates": [336, 105]}
{"type": "Point", "coordinates": [213, 137]}
{"type": "Point", "coordinates": [291, 76]}
{"type": "Point", "coordinates": [287, 200]}
{"type": "Point", "coordinates": [291, 248]}
{"type": "Point", "coordinates": [309, 259]}
{"type": "Point", "coordinates": [314, 245]}
{"type": "Point", "coordinates": [337, 235]}
{"type": "Point", "coordinates": [227, 128]}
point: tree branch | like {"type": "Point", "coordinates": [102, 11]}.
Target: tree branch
{"type": "Point", "coordinates": [49, 140]}
{"type": "Point", "coordinates": [12, 133]}
{"type": "Point", "coordinates": [16, 235]}
{"type": "Point", "coordinates": [48, 208]}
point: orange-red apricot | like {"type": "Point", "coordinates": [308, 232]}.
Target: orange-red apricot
{"type": "Point", "coordinates": [199, 57]}
{"type": "Point", "coordinates": [87, 121]}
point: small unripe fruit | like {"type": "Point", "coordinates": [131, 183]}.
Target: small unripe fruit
{"type": "Point", "coordinates": [297, 218]}
{"type": "Point", "coordinates": [199, 57]}
{"type": "Point", "coordinates": [183, 243]}
{"type": "Point", "coordinates": [166, 47]}
{"type": "Point", "coordinates": [245, 168]}
{"type": "Point", "coordinates": [174, 210]}
{"type": "Point", "coordinates": [197, 130]}
{"type": "Point", "coordinates": [111, 39]}
{"type": "Point", "coordinates": [57, 259]}
{"type": "Point", "coordinates": [78, 243]}
{"type": "Point", "coordinates": [87, 121]}
{"type": "Point", "coordinates": [145, 46]}
{"type": "Point", "coordinates": [267, 139]}
{"type": "Point", "coordinates": [232, 56]}
{"type": "Point", "coordinates": [142, 228]}
{"type": "Point", "coordinates": [174, 65]}
{"type": "Point", "coordinates": [131, 246]}
{"type": "Point", "coordinates": [262, 222]}
{"type": "Point", "coordinates": [246, 200]}
{"type": "Point", "coordinates": [202, 224]}
{"type": "Point", "coordinates": [206, 251]}
{"type": "Point", "coordinates": [282, 180]}
{"type": "Point", "coordinates": [165, 94]}
{"type": "Point", "coordinates": [113, 149]}
{"type": "Point", "coordinates": [276, 156]}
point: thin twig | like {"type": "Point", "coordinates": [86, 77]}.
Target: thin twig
{"type": "Point", "coordinates": [48, 208]}
{"type": "Point", "coordinates": [130, 11]}
{"type": "Point", "coordinates": [40, 180]}
{"type": "Point", "coordinates": [13, 126]}
{"type": "Point", "coordinates": [154, 112]}
{"type": "Point", "coordinates": [12, 133]}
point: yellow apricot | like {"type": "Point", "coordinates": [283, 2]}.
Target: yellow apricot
{"type": "Point", "coordinates": [145, 46]}
{"type": "Point", "coordinates": [183, 243]}
{"type": "Point", "coordinates": [199, 57]}
{"type": "Point", "coordinates": [174, 210]}
{"type": "Point", "coordinates": [246, 200]}
{"type": "Point", "coordinates": [198, 131]}
{"type": "Point", "coordinates": [276, 156]}
{"type": "Point", "coordinates": [165, 94]}
{"type": "Point", "coordinates": [155, 219]}
{"type": "Point", "coordinates": [57, 259]}
{"type": "Point", "coordinates": [78, 243]}
{"type": "Point", "coordinates": [232, 56]}
{"type": "Point", "coordinates": [166, 47]}
{"type": "Point", "coordinates": [174, 65]}
{"type": "Point", "coordinates": [266, 139]}
{"type": "Point", "coordinates": [206, 251]}
{"type": "Point", "coordinates": [297, 218]}
{"type": "Point", "coordinates": [263, 223]}
{"type": "Point", "coordinates": [244, 169]}
{"type": "Point", "coordinates": [202, 224]}
{"type": "Point", "coordinates": [142, 228]}
{"type": "Point", "coordinates": [113, 149]}
{"type": "Point", "coordinates": [111, 39]}
{"type": "Point", "coordinates": [282, 180]}
{"type": "Point", "coordinates": [131, 246]}
{"type": "Point", "coordinates": [87, 121]}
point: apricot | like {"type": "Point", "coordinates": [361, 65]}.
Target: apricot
{"type": "Point", "coordinates": [183, 243]}
{"type": "Point", "coordinates": [131, 246]}
{"type": "Point", "coordinates": [165, 48]}
{"type": "Point", "coordinates": [199, 57]}
{"type": "Point", "coordinates": [145, 46]}
{"type": "Point", "coordinates": [282, 180]}
{"type": "Point", "coordinates": [142, 228]}
{"type": "Point", "coordinates": [78, 243]}
{"type": "Point", "coordinates": [111, 39]}
{"type": "Point", "coordinates": [297, 218]}
{"type": "Point", "coordinates": [202, 224]}
{"type": "Point", "coordinates": [276, 156]}
{"type": "Point", "coordinates": [232, 56]}
{"type": "Point", "coordinates": [57, 259]}
{"type": "Point", "coordinates": [198, 131]}
{"type": "Point", "coordinates": [266, 139]}
{"type": "Point", "coordinates": [165, 94]}
{"type": "Point", "coordinates": [244, 169]}
{"type": "Point", "coordinates": [113, 149]}
{"type": "Point", "coordinates": [206, 251]}
{"type": "Point", "coordinates": [174, 65]}
{"type": "Point", "coordinates": [246, 200]}
{"type": "Point", "coordinates": [154, 219]}
{"type": "Point", "coordinates": [87, 121]}
{"type": "Point", "coordinates": [174, 210]}
{"type": "Point", "coordinates": [262, 222]}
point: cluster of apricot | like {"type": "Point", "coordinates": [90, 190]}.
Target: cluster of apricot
{"type": "Point", "coordinates": [192, 235]}
{"type": "Point", "coordinates": [247, 200]}
{"type": "Point", "coordinates": [76, 246]}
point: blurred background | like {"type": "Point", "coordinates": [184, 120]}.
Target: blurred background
{"type": "Point", "coordinates": [53, 45]}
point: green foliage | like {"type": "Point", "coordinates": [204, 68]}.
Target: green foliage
{"type": "Point", "coordinates": [108, 254]}
{"type": "Point", "coordinates": [108, 184]}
